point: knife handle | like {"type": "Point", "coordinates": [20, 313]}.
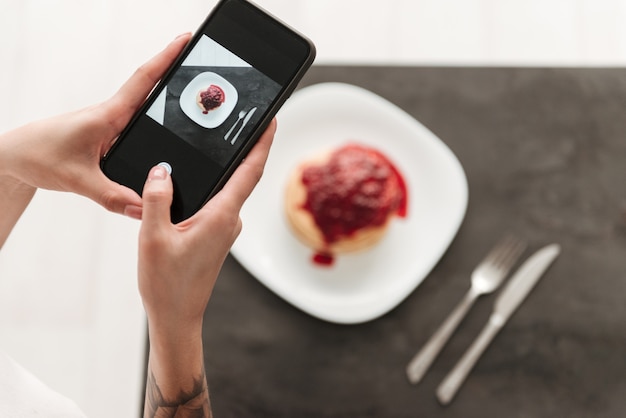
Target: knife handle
{"type": "Point", "coordinates": [243, 125]}
{"type": "Point", "coordinates": [422, 361]}
{"type": "Point", "coordinates": [453, 381]}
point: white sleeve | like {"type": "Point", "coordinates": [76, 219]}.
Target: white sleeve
{"type": "Point", "coordinates": [22, 395]}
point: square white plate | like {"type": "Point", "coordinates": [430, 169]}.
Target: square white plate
{"type": "Point", "coordinates": [363, 286]}
{"type": "Point", "coordinates": [215, 117]}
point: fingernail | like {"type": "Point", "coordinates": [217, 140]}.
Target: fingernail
{"type": "Point", "coordinates": [181, 35]}
{"type": "Point", "coordinates": [158, 173]}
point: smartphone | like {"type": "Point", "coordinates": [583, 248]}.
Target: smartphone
{"type": "Point", "coordinates": [212, 105]}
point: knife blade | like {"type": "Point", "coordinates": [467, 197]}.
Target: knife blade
{"type": "Point", "coordinates": [243, 125]}
{"type": "Point", "coordinates": [509, 299]}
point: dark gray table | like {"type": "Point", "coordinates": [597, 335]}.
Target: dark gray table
{"type": "Point", "coordinates": [544, 151]}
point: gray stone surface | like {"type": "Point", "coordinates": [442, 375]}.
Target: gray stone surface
{"type": "Point", "coordinates": [544, 151]}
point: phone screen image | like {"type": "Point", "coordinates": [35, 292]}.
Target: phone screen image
{"type": "Point", "coordinates": [212, 98]}
{"type": "Point", "coordinates": [212, 105]}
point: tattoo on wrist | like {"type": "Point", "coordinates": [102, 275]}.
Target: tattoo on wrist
{"type": "Point", "coordinates": [192, 404]}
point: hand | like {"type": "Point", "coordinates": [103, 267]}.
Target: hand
{"type": "Point", "coordinates": [178, 264]}
{"type": "Point", "coordinates": [63, 153]}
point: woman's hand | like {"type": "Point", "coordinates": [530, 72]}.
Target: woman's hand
{"type": "Point", "coordinates": [63, 153]}
{"type": "Point", "coordinates": [178, 264]}
{"type": "Point", "coordinates": [178, 267]}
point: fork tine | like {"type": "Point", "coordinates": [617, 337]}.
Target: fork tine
{"type": "Point", "coordinates": [506, 252]}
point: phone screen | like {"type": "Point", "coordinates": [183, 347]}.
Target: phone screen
{"type": "Point", "coordinates": [220, 95]}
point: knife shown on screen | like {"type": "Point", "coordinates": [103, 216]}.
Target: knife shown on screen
{"type": "Point", "coordinates": [516, 290]}
{"type": "Point", "coordinates": [243, 125]}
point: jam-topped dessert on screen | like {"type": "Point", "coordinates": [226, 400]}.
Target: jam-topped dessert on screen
{"type": "Point", "coordinates": [343, 200]}
{"type": "Point", "coordinates": [211, 98]}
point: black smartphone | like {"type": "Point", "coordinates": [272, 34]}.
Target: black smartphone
{"type": "Point", "coordinates": [212, 105]}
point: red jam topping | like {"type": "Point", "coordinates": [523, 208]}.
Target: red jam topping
{"type": "Point", "coordinates": [212, 98]}
{"type": "Point", "coordinates": [357, 188]}
{"type": "Point", "coordinates": [323, 259]}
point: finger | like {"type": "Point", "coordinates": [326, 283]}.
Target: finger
{"type": "Point", "coordinates": [157, 198]}
{"type": "Point", "coordinates": [133, 93]}
{"type": "Point", "coordinates": [248, 174]}
{"type": "Point", "coordinates": [110, 195]}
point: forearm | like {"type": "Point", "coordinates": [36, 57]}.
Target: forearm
{"type": "Point", "coordinates": [176, 383]}
{"type": "Point", "coordinates": [14, 198]}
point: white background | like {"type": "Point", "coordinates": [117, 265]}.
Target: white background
{"type": "Point", "coordinates": [69, 308]}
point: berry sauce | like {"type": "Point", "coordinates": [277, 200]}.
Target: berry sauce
{"type": "Point", "coordinates": [212, 98]}
{"type": "Point", "coordinates": [358, 187]}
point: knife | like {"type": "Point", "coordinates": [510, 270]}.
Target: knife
{"type": "Point", "coordinates": [243, 125]}
{"type": "Point", "coordinates": [516, 290]}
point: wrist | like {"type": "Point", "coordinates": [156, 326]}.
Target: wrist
{"type": "Point", "coordinates": [9, 158]}
{"type": "Point", "coordinates": [175, 356]}
{"type": "Point", "coordinates": [14, 188]}
{"type": "Point", "coordinates": [12, 162]}
{"type": "Point", "coordinates": [173, 319]}
{"type": "Point", "coordinates": [172, 336]}
{"type": "Point", "coordinates": [14, 197]}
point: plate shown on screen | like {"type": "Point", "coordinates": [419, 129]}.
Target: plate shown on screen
{"type": "Point", "coordinates": [215, 117]}
{"type": "Point", "coordinates": [362, 286]}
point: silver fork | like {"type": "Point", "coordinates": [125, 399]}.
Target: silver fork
{"type": "Point", "coordinates": [240, 116]}
{"type": "Point", "coordinates": [486, 278]}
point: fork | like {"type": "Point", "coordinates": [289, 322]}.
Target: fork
{"type": "Point", "coordinates": [240, 116]}
{"type": "Point", "coordinates": [486, 278]}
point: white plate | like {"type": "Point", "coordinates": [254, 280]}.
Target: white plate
{"type": "Point", "coordinates": [362, 286]}
{"type": "Point", "coordinates": [215, 117]}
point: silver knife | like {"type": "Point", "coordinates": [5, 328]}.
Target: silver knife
{"type": "Point", "coordinates": [243, 125]}
{"type": "Point", "coordinates": [516, 290]}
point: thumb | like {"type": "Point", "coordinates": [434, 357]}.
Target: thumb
{"type": "Point", "coordinates": [157, 197]}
